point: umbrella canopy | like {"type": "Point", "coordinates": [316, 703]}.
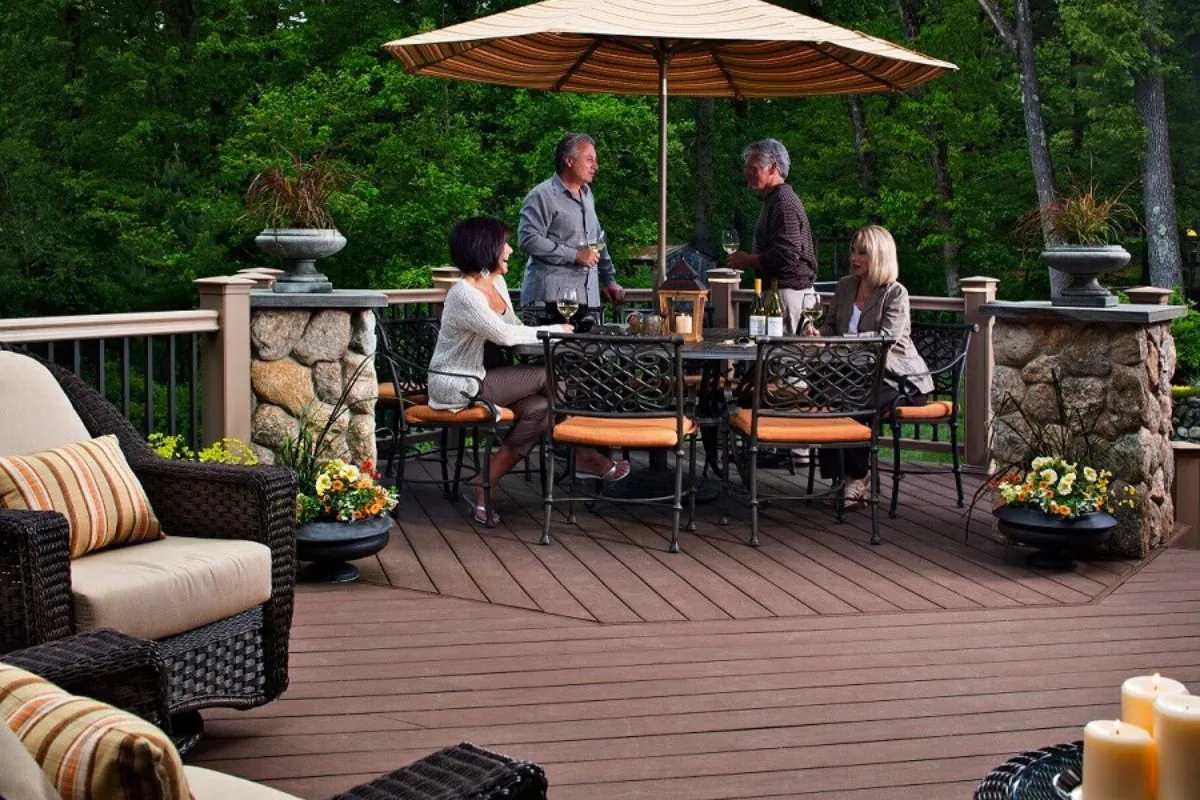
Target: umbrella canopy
{"type": "Point", "coordinates": [701, 48]}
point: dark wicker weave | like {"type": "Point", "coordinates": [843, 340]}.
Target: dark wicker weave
{"type": "Point", "coordinates": [128, 673]}
{"type": "Point", "coordinates": [1032, 775]}
{"type": "Point", "coordinates": [240, 662]}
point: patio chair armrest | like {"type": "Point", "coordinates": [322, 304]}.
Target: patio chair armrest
{"type": "Point", "coordinates": [35, 578]}
{"type": "Point", "coordinates": [462, 771]}
{"type": "Point", "coordinates": [105, 665]}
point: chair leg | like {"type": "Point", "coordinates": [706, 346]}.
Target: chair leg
{"type": "Point", "coordinates": [486, 476]}
{"type": "Point", "coordinates": [841, 500]}
{"type": "Point", "coordinates": [874, 495]}
{"type": "Point", "coordinates": [458, 460]}
{"type": "Point", "coordinates": [955, 466]}
{"type": "Point", "coordinates": [753, 470]}
{"type": "Point", "coordinates": [724, 520]}
{"type": "Point", "coordinates": [547, 487]}
{"type": "Point", "coordinates": [443, 455]}
{"type": "Point", "coordinates": [400, 457]}
{"type": "Point", "coordinates": [897, 474]}
{"type": "Point", "coordinates": [573, 489]}
{"type": "Point", "coordinates": [677, 505]}
{"type": "Point", "coordinates": [812, 469]}
{"type": "Point", "coordinates": [691, 523]}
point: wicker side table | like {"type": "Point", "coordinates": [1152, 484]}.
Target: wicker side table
{"type": "Point", "coordinates": [461, 772]}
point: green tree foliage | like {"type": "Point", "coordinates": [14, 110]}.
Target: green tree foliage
{"type": "Point", "coordinates": [129, 130]}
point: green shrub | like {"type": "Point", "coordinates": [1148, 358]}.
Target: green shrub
{"type": "Point", "coordinates": [1186, 331]}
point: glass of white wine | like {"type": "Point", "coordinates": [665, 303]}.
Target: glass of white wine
{"type": "Point", "coordinates": [568, 303]}
{"type": "Point", "coordinates": [810, 310]}
{"type": "Point", "coordinates": [730, 241]}
{"type": "Point", "coordinates": [598, 242]}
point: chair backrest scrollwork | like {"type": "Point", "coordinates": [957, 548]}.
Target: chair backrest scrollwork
{"type": "Point", "coordinates": [620, 376]}
{"type": "Point", "coordinates": [817, 377]}
{"type": "Point", "coordinates": [943, 347]}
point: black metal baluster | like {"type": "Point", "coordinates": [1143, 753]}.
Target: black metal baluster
{"type": "Point", "coordinates": [171, 422]}
{"type": "Point", "coordinates": [125, 376]}
{"type": "Point", "coordinates": [194, 434]}
{"type": "Point", "coordinates": [149, 385]}
{"type": "Point", "coordinates": [100, 377]}
{"type": "Point", "coordinates": [50, 352]}
{"type": "Point", "coordinates": [77, 358]}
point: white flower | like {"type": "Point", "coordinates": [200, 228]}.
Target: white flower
{"type": "Point", "coordinates": [1089, 474]}
{"type": "Point", "coordinates": [1049, 476]}
{"type": "Point", "coordinates": [350, 472]}
{"type": "Point", "coordinates": [1041, 462]}
{"type": "Point", "coordinates": [1065, 485]}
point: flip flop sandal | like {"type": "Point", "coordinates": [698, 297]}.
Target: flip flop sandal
{"type": "Point", "coordinates": [479, 512]}
{"type": "Point", "coordinates": [618, 470]}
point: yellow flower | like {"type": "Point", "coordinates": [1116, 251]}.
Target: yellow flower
{"type": "Point", "coordinates": [1050, 476]}
{"type": "Point", "coordinates": [350, 472]}
{"type": "Point", "coordinates": [323, 484]}
{"type": "Point", "coordinates": [1089, 475]}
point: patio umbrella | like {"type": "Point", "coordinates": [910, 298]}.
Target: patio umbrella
{"type": "Point", "coordinates": [702, 48]}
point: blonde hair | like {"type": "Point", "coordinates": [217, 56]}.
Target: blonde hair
{"type": "Point", "coordinates": [881, 254]}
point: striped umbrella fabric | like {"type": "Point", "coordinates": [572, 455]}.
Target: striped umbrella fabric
{"type": "Point", "coordinates": [709, 48]}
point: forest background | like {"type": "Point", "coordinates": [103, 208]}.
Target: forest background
{"type": "Point", "coordinates": [130, 129]}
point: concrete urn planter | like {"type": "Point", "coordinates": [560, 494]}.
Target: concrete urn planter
{"type": "Point", "coordinates": [1084, 264]}
{"type": "Point", "coordinates": [301, 247]}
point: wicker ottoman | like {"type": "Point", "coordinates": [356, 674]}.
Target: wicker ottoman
{"type": "Point", "coordinates": [461, 772]}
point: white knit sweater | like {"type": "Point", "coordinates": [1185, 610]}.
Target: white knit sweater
{"type": "Point", "coordinates": [467, 322]}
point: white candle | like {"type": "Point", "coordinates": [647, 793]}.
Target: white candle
{"type": "Point", "coordinates": [683, 323]}
{"type": "Point", "coordinates": [1177, 739]}
{"type": "Point", "coordinates": [1118, 761]}
{"type": "Point", "coordinates": [1138, 696]}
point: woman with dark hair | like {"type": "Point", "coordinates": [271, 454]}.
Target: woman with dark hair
{"type": "Point", "coordinates": [477, 310]}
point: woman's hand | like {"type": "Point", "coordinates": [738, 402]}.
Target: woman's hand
{"type": "Point", "coordinates": [566, 328]}
{"type": "Point", "coordinates": [808, 329]}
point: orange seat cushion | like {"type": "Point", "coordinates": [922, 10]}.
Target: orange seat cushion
{"type": "Point", "coordinates": [632, 433]}
{"type": "Point", "coordinates": [788, 430]}
{"type": "Point", "coordinates": [472, 415]}
{"type": "Point", "coordinates": [387, 391]}
{"type": "Point", "coordinates": [693, 381]}
{"type": "Point", "coordinates": [935, 409]}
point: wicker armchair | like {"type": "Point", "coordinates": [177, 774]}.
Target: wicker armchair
{"type": "Point", "coordinates": [130, 674]}
{"type": "Point", "coordinates": [239, 662]}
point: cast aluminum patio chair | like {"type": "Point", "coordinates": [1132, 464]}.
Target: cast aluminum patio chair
{"type": "Point", "coordinates": [809, 392]}
{"type": "Point", "coordinates": [618, 392]}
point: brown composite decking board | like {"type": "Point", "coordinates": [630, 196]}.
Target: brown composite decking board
{"type": "Point", "coordinates": [862, 705]}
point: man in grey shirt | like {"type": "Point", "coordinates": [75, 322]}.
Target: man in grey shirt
{"type": "Point", "coordinates": [558, 222]}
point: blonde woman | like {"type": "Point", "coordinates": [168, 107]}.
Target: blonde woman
{"type": "Point", "coordinates": [871, 300]}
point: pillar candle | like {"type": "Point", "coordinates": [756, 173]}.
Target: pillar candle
{"type": "Point", "coordinates": [1118, 761]}
{"type": "Point", "coordinates": [1177, 740]}
{"type": "Point", "coordinates": [1138, 696]}
{"type": "Point", "coordinates": [683, 323]}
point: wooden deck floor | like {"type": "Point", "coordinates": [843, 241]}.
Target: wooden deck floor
{"type": "Point", "coordinates": [815, 666]}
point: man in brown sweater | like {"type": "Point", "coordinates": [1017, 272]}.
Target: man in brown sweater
{"type": "Point", "coordinates": [783, 243]}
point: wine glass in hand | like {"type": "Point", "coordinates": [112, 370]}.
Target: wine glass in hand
{"type": "Point", "coordinates": [568, 304]}
{"type": "Point", "coordinates": [810, 310]}
{"type": "Point", "coordinates": [598, 242]}
{"type": "Point", "coordinates": [729, 241]}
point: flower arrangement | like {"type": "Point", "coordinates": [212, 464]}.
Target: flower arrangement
{"type": "Point", "coordinates": [227, 451]}
{"type": "Point", "coordinates": [346, 493]}
{"type": "Point", "coordinates": [1062, 488]}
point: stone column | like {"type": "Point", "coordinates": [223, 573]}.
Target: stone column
{"type": "Point", "coordinates": [1114, 366]}
{"type": "Point", "coordinates": [305, 349]}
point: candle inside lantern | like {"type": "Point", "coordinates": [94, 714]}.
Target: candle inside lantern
{"type": "Point", "coordinates": [683, 323]}
{"type": "Point", "coordinates": [1177, 740]}
{"type": "Point", "coordinates": [1118, 761]}
{"type": "Point", "coordinates": [1138, 696]}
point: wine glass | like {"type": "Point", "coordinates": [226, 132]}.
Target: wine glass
{"type": "Point", "coordinates": [730, 241]}
{"type": "Point", "coordinates": [568, 303]}
{"type": "Point", "coordinates": [810, 310]}
{"type": "Point", "coordinates": [598, 242]}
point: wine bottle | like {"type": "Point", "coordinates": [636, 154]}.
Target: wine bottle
{"type": "Point", "coordinates": [774, 307]}
{"type": "Point", "coordinates": [758, 312]}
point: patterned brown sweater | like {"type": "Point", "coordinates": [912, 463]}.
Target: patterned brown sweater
{"type": "Point", "coordinates": [783, 241]}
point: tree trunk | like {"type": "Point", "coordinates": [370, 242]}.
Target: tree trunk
{"type": "Point", "coordinates": [1158, 187]}
{"type": "Point", "coordinates": [705, 112]}
{"type": "Point", "coordinates": [1019, 39]}
{"type": "Point", "coordinates": [868, 171]}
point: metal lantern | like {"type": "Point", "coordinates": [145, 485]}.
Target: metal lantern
{"type": "Point", "coordinates": [681, 300]}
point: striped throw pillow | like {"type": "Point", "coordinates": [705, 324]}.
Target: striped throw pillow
{"type": "Point", "coordinates": [91, 484]}
{"type": "Point", "coordinates": [88, 749]}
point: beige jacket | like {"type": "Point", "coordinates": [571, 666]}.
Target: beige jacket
{"type": "Point", "coordinates": [886, 313]}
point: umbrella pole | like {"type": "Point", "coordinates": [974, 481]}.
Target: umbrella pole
{"type": "Point", "coordinates": [660, 271]}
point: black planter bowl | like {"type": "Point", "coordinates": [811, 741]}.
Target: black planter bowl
{"type": "Point", "coordinates": [1058, 539]}
{"type": "Point", "coordinates": [329, 545]}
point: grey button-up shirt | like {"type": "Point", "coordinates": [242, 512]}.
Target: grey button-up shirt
{"type": "Point", "coordinates": [554, 225]}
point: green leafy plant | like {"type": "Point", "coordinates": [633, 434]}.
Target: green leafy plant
{"type": "Point", "coordinates": [345, 493]}
{"type": "Point", "coordinates": [297, 193]}
{"type": "Point", "coordinates": [1061, 467]}
{"type": "Point", "coordinates": [227, 451]}
{"type": "Point", "coordinates": [1186, 332]}
{"type": "Point", "coordinates": [1081, 218]}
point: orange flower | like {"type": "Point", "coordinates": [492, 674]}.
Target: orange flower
{"type": "Point", "coordinates": [338, 485]}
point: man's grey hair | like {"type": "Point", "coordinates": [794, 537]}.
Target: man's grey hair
{"type": "Point", "coordinates": [769, 151]}
{"type": "Point", "coordinates": [568, 147]}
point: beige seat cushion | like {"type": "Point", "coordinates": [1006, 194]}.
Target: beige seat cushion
{"type": "Point", "coordinates": [20, 776]}
{"type": "Point", "coordinates": [35, 415]}
{"type": "Point", "coordinates": [208, 785]}
{"type": "Point", "coordinates": [169, 586]}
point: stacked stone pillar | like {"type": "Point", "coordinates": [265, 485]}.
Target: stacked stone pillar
{"type": "Point", "coordinates": [1115, 366]}
{"type": "Point", "coordinates": [305, 350]}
